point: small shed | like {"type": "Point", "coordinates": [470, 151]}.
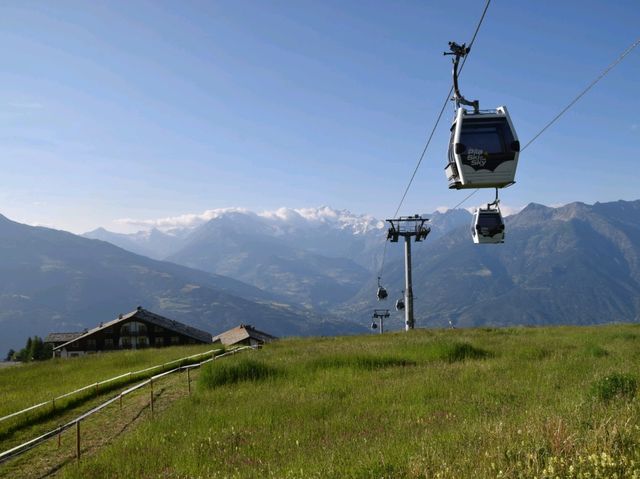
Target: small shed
{"type": "Point", "coordinates": [245, 334]}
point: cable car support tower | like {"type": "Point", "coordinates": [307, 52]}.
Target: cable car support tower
{"type": "Point", "coordinates": [408, 227]}
{"type": "Point", "coordinates": [380, 314]}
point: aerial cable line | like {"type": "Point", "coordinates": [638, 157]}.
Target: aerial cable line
{"type": "Point", "coordinates": [466, 198]}
{"type": "Point", "coordinates": [583, 92]}
{"type": "Point", "coordinates": [571, 103]}
{"type": "Point", "coordinates": [444, 106]}
{"type": "Point", "coordinates": [433, 130]}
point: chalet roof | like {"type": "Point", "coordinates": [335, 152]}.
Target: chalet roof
{"type": "Point", "coordinates": [61, 337]}
{"type": "Point", "coordinates": [242, 332]}
{"type": "Point", "coordinates": [153, 318]}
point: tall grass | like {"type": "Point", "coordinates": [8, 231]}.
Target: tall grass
{"type": "Point", "coordinates": [221, 372]}
{"type": "Point", "coordinates": [447, 404]}
{"type": "Point", "coordinates": [32, 383]}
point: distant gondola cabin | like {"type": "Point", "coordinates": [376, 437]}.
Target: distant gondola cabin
{"type": "Point", "coordinates": [136, 330]}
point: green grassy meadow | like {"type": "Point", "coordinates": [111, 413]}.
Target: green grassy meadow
{"type": "Point", "coordinates": [519, 402]}
{"type": "Point", "coordinates": [31, 383]}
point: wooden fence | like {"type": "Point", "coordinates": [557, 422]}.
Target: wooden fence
{"type": "Point", "coordinates": [75, 423]}
{"type": "Point", "coordinates": [96, 386]}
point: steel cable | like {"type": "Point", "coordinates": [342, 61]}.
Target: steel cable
{"type": "Point", "coordinates": [433, 130]}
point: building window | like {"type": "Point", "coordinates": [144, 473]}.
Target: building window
{"type": "Point", "coordinates": [175, 340]}
{"type": "Point", "coordinates": [91, 343]}
{"type": "Point", "coordinates": [108, 343]}
{"type": "Point", "coordinates": [158, 329]}
{"type": "Point", "coordinates": [133, 328]}
{"type": "Point", "coordinates": [125, 342]}
{"type": "Point", "coordinates": [143, 341]}
{"type": "Point", "coordinates": [159, 341]}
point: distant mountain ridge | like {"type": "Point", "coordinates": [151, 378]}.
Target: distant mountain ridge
{"type": "Point", "coordinates": [316, 257]}
{"type": "Point", "coordinates": [153, 243]}
{"type": "Point", "coordinates": [308, 225]}
{"type": "Point", "coordinates": [576, 264]}
{"type": "Point", "coordinates": [52, 280]}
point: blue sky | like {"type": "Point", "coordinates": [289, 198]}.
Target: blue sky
{"type": "Point", "coordinates": [144, 110]}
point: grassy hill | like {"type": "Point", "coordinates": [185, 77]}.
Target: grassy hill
{"type": "Point", "coordinates": [519, 402]}
{"type": "Point", "coordinates": [38, 382]}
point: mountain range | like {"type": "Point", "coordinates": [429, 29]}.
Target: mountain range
{"type": "Point", "coordinates": [313, 271]}
{"type": "Point", "coordinates": [52, 280]}
{"type": "Point", "coordinates": [316, 259]}
{"type": "Point", "coordinates": [576, 264]}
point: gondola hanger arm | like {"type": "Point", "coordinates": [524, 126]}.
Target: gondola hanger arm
{"type": "Point", "coordinates": [460, 51]}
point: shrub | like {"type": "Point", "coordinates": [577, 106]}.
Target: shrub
{"type": "Point", "coordinates": [597, 351]}
{"type": "Point", "coordinates": [227, 372]}
{"type": "Point", "coordinates": [615, 385]}
{"type": "Point", "coordinates": [462, 351]}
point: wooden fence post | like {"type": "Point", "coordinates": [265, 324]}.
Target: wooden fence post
{"type": "Point", "coordinates": [53, 403]}
{"type": "Point", "coordinates": [151, 384]}
{"type": "Point", "coordinates": [189, 380]}
{"type": "Point", "coordinates": [120, 400]}
{"type": "Point", "coordinates": [78, 440]}
{"type": "Point", "coordinates": [59, 435]}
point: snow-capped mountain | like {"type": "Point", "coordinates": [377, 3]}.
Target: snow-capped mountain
{"type": "Point", "coordinates": [163, 237]}
{"type": "Point", "coordinates": [318, 257]}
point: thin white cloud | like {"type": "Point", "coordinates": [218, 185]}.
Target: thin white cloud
{"type": "Point", "coordinates": [290, 216]}
{"type": "Point", "coordinates": [182, 221]}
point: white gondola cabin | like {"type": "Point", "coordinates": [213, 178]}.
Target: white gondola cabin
{"type": "Point", "coordinates": [488, 225]}
{"type": "Point", "coordinates": [483, 150]}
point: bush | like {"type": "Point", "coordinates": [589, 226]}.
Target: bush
{"type": "Point", "coordinates": [462, 351]}
{"type": "Point", "coordinates": [597, 351]}
{"type": "Point", "coordinates": [616, 385]}
{"type": "Point", "coordinates": [227, 372]}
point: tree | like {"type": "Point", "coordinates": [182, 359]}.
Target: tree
{"type": "Point", "coordinates": [34, 350]}
{"type": "Point", "coordinates": [37, 347]}
{"type": "Point", "coordinates": [10, 355]}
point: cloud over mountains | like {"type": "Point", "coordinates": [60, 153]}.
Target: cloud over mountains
{"type": "Point", "coordinates": [322, 215]}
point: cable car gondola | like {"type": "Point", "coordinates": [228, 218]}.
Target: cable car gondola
{"type": "Point", "coordinates": [400, 303]}
{"type": "Point", "coordinates": [381, 293]}
{"type": "Point", "coordinates": [488, 225]}
{"type": "Point", "coordinates": [483, 146]}
{"type": "Point", "coordinates": [483, 151]}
